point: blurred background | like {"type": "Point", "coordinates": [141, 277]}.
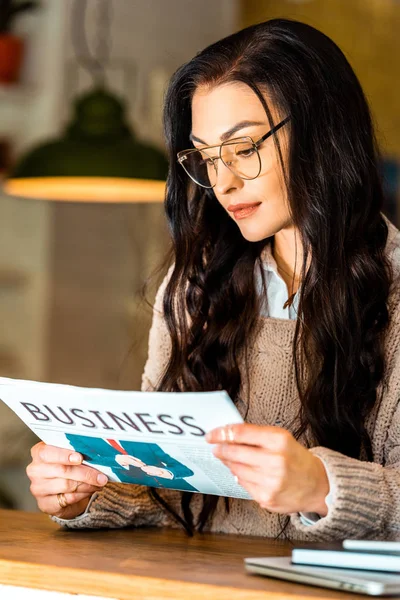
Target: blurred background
{"type": "Point", "coordinates": [71, 271]}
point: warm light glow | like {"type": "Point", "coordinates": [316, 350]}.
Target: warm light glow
{"type": "Point", "coordinates": [87, 189]}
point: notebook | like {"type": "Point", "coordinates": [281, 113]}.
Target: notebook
{"type": "Point", "coordinates": [362, 582]}
{"type": "Point", "coordinates": [380, 545]}
{"type": "Point", "coordinates": [342, 556]}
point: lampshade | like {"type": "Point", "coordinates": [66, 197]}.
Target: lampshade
{"type": "Point", "coordinates": [97, 159]}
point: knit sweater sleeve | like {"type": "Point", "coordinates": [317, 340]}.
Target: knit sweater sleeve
{"type": "Point", "coordinates": [120, 504]}
{"type": "Point", "coordinates": [366, 495]}
{"type": "Point", "coordinates": [366, 499]}
{"type": "Point", "coordinates": [159, 342]}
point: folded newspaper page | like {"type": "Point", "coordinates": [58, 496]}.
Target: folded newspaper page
{"type": "Point", "coordinates": [148, 438]}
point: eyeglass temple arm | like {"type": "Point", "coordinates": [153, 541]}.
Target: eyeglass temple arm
{"type": "Point", "coordinates": [272, 131]}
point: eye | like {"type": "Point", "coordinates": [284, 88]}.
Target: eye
{"type": "Point", "coordinates": [246, 152]}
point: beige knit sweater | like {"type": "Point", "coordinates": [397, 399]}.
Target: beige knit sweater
{"type": "Point", "coordinates": [366, 496]}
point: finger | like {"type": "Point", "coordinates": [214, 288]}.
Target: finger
{"type": "Point", "coordinates": [37, 448]}
{"type": "Point", "coordinates": [51, 487]}
{"type": "Point", "coordinates": [262, 497]}
{"type": "Point", "coordinates": [80, 474]}
{"type": "Point", "coordinates": [76, 497]}
{"type": "Point", "coordinates": [75, 509]}
{"type": "Point", "coordinates": [244, 473]}
{"type": "Point", "coordinates": [274, 439]}
{"type": "Point", "coordinates": [52, 454]}
{"type": "Point", "coordinates": [260, 459]}
{"type": "Point", "coordinates": [248, 455]}
{"type": "Point", "coordinates": [77, 504]}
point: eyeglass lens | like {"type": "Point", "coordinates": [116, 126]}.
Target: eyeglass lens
{"type": "Point", "coordinates": [241, 157]}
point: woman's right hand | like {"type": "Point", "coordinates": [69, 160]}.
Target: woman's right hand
{"type": "Point", "coordinates": [57, 477]}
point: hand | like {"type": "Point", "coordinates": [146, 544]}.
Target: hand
{"type": "Point", "coordinates": [276, 470]}
{"type": "Point", "coordinates": [157, 472]}
{"type": "Point", "coordinates": [58, 471]}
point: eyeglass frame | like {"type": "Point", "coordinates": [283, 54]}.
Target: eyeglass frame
{"type": "Point", "coordinates": [181, 155]}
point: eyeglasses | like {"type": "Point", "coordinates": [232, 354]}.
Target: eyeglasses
{"type": "Point", "coordinates": [240, 155]}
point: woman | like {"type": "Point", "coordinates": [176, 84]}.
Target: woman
{"type": "Point", "coordinates": [284, 291]}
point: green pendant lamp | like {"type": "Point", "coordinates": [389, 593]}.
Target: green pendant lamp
{"type": "Point", "coordinates": [97, 159]}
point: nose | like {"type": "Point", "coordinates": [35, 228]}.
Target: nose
{"type": "Point", "coordinates": [227, 181]}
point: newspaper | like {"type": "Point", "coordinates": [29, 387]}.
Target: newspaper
{"type": "Point", "coordinates": [148, 438]}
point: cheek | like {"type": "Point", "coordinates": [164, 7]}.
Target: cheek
{"type": "Point", "coordinates": [273, 214]}
{"type": "Point", "coordinates": [269, 187]}
{"type": "Point", "coordinates": [271, 178]}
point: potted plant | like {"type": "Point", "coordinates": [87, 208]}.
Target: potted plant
{"type": "Point", "coordinates": [11, 46]}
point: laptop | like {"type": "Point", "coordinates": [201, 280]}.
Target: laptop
{"type": "Point", "coordinates": [349, 580]}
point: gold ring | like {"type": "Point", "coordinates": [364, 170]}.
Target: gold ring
{"type": "Point", "coordinates": [62, 501]}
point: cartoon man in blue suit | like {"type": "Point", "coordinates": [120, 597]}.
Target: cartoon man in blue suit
{"type": "Point", "coordinates": [134, 462]}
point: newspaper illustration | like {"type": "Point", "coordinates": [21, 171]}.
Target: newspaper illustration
{"type": "Point", "coordinates": [155, 439]}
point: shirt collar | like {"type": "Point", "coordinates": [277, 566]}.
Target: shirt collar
{"type": "Point", "coordinates": [269, 265]}
{"type": "Point", "coordinates": [268, 261]}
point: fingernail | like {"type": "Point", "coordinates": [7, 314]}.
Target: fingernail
{"type": "Point", "coordinates": [102, 479]}
{"type": "Point", "coordinates": [75, 458]}
{"type": "Point", "coordinates": [216, 435]}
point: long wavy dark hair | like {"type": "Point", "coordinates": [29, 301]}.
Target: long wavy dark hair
{"type": "Point", "coordinates": [335, 197]}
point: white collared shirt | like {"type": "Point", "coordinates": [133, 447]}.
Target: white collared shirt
{"type": "Point", "coordinates": [277, 292]}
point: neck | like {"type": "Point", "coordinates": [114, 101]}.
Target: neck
{"type": "Point", "coordinates": [288, 254]}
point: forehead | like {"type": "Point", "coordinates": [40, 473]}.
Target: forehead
{"type": "Point", "coordinates": [217, 109]}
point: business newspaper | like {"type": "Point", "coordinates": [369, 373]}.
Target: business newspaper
{"type": "Point", "coordinates": [147, 438]}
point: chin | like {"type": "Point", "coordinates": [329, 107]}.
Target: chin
{"type": "Point", "coordinates": [256, 234]}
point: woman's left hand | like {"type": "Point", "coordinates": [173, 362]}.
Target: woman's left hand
{"type": "Point", "coordinates": [277, 471]}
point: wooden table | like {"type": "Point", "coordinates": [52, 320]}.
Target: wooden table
{"type": "Point", "coordinates": [139, 563]}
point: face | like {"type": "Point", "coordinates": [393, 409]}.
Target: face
{"type": "Point", "coordinates": [217, 110]}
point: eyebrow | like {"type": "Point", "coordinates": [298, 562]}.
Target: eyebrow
{"type": "Point", "coordinates": [225, 136]}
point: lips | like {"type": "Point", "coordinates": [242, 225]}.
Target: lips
{"type": "Point", "coordinates": [235, 207]}
{"type": "Point", "coordinates": [242, 211]}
